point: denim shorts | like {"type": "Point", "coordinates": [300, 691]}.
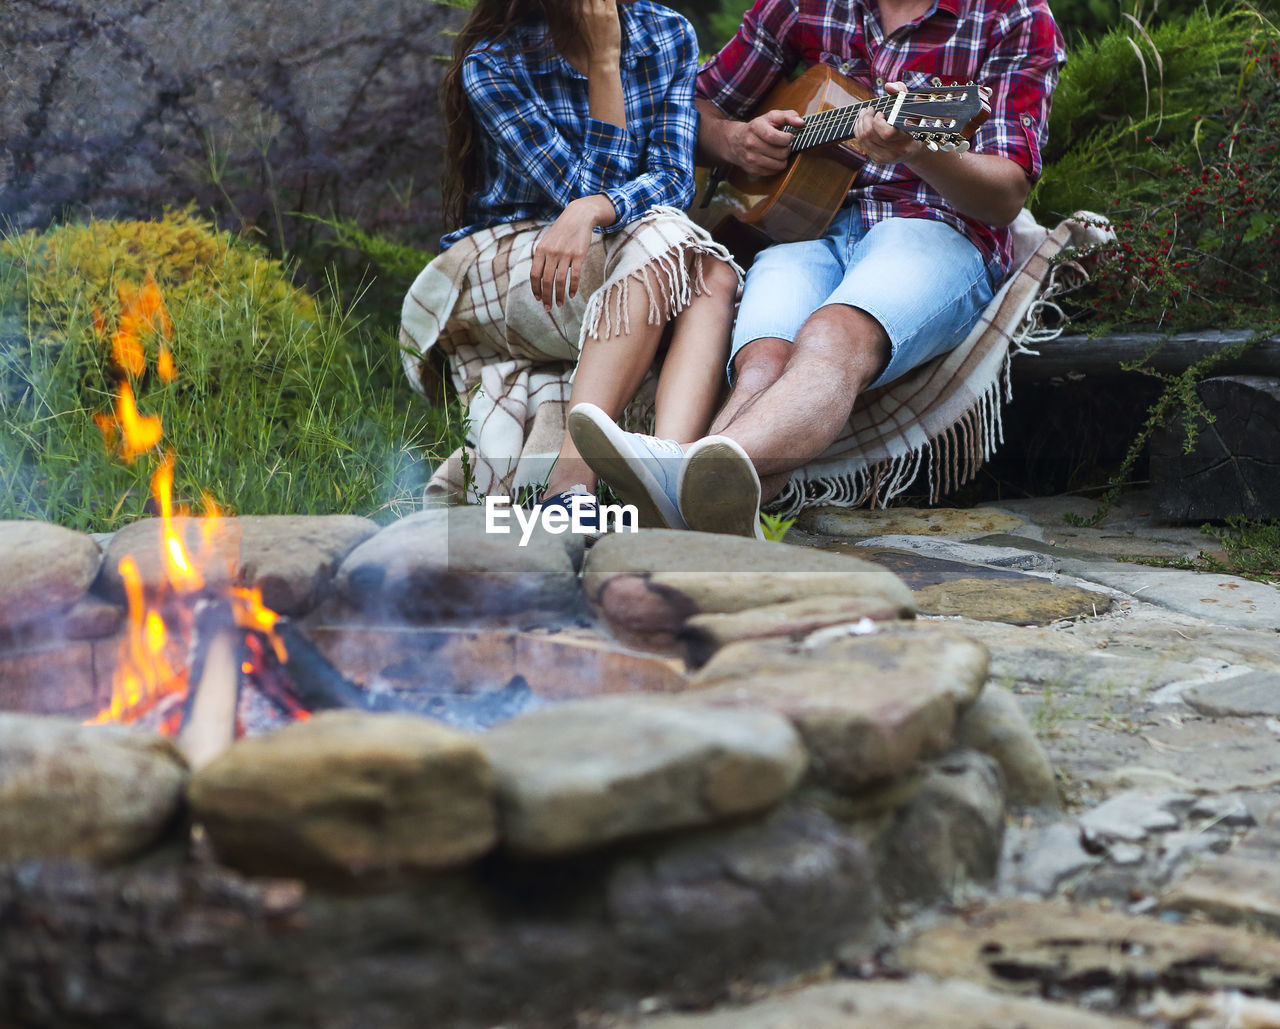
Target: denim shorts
{"type": "Point", "coordinates": [923, 281]}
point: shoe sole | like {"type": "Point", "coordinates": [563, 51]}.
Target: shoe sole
{"type": "Point", "coordinates": [719, 489]}
{"type": "Point", "coordinates": [605, 448]}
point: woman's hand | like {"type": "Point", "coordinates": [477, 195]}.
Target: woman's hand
{"type": "Point", "coordinates": [601, 32]}
{"type": "Point", "coordinates": [558, 255]}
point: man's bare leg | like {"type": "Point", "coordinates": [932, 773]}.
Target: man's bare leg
{"type": "Point", "coordinates": [839, 351]}
{"type": "Point", "coordinates": [757, 366]}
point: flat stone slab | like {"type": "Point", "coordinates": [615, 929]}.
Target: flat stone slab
{"type": "Point", "coordinates": [443, 563]}
{"type": "Point", "coordinates": [1240, 888]}
{"type": "Point", "coordinates": [1029, 946]}
{"type": "Point", "coordinates": [1023, 601]}
{"type": "Point", "coordinates": [1242, 696]}
{"type": "Point", "coordinates": [1224, 599]}
{"type": "Point", "coordinates": [1097, 546]}
{"type": "Point", "coordinates": [909, 1004]}
{"type": "Point", "coordinates": [919, 570]}
{"type": "Point", "coordinates": [868, 707]}
{"type": "Point", "coordinates": [44, 570]}
{"type": "Point", "coordinates": [942, 522]}
{"type": "Point", "coordinates": [1017, 558]}
{"type": "Point", "coordinates": [351, 795]}
{"type": "Point", "coordinates": [581, 774]}
{"type": "Point", "coordinates": [646, 584]}
{"type": "Point", "coordinates": [98, 793]}
{"type": "Point", "coordinates": [1133, 816]}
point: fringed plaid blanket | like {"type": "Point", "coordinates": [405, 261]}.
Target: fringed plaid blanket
{"type": "Point", "coordinates": [513, 360]}
{"type": "Point", "coordinates": [945, 415]}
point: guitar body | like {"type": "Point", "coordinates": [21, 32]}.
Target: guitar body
{"type": "Point", "coordinates": [800, 201]}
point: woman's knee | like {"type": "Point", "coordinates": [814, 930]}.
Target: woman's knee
{"type": "Point", "coordinates": [720, 279]}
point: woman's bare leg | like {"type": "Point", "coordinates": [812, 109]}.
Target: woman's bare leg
{"type": "Point", "coordinates": [610, 370]}
{"type": "Point", "coordinates": [692, 375]}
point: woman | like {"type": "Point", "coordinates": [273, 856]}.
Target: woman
{"type": "Point", "coordinates": [569, 161]}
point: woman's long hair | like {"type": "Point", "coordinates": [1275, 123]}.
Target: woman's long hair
{"type": "Point", "coordinates": [491, 20]}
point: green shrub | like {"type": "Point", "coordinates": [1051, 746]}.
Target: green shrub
{"type": "Point", "coordinates": [282, 403]}
{"type": "Point", "coordinates": [1182, 165]}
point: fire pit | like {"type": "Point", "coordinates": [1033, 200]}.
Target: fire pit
{"type": "Point", "coordinates": [677, 767]}
{"type": "Point", "coordinates": [426, 774]}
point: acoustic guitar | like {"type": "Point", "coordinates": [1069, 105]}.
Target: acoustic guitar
{"type": "Point", "coordinates": [800, 201]}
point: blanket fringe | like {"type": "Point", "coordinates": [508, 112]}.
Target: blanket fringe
{"type": "Point", "coordinates": [952, 457]}
{"type": "Point", "coordinates": [670, 281]}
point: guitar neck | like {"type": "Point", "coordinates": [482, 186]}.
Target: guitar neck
{"type": "Point", "coordinates": [837, 123]}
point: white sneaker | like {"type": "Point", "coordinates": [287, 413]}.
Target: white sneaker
{"type": "Point", "coordinates": [643, 470]}
{"type": "Point", "coordinates": [719, 490]}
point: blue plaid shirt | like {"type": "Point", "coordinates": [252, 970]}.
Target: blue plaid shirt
{"type": "Point", "coordinates": [542, 150]}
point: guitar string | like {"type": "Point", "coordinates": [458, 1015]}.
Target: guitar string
{"type": "Point", "coordinates": [837, 123]}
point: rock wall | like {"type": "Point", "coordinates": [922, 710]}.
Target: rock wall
{"type": "Point", "coordinates": [255, 111]}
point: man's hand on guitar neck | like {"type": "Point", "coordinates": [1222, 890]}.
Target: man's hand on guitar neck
{"type": "Point", "coordinates": [881, 142]}
{"type": "Point", "coordinates": [987, 187]}
{"type": "Point", "coordinates": [760, 147]}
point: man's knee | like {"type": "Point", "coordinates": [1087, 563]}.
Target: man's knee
{"type": "Point", "coordinates": [760, 363]}
{"type": "Point", "coordinates": [850, 338]}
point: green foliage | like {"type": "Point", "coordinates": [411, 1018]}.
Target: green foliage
{"type": "Point", "coordinates": [774, 526]}
{"type": "Point", "coordinates": [722, 24]}
{"type": "Point", "coordinates": [399, 260]}
{"type": "Point", "coordinates": [282, 403]}
{"type": "Point", "coordinates": [1088, 19]}
{"type": "Point", "coordinates": [1133, 104]}
{"type": "Point", "coordinates": [1250, 549]}
{"type": "Point", "coordinates": [1184, 182]}
{"type": "Point", "coordinates": [1179, 396]}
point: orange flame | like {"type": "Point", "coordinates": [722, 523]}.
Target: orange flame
{"type": "Point", "coordinates": [151, 661]}
{"type": "Point", "coordinates": [141, 308]}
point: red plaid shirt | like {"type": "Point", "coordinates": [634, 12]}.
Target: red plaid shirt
{"type": "Point", "coordinates": [1013, 46]}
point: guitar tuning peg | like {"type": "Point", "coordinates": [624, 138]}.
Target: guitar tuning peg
{"type": "Point", "coordinates": [932, 144]}
{"type": "Point", "coordinates": [948, 147]}
{"type": "Point", "coordinates": [962, 146]}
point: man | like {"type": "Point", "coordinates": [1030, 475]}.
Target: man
{"type": "Point", "coordinates": [902, 273]}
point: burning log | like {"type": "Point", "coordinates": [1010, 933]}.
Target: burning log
{"type": "Point", "coordinates": [213, 699]}
{"type": "Point", "coordinates": [308, 680]}
{"type": "Point", "coordinates": [279, 663]}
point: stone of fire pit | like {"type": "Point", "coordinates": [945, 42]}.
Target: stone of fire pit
{"type": "Point", "coordinates": [44, 570]}
{"type": "Point", "coordinates": [292, 558]}
{"type": "Point", "coordinates": [793, 620]}
{"type": "Point", "coordinates": [647, 584]}
{"type": "Point", "coordinates": [868, 707]}
{"type": "Point", "coordinates": [442, 563]}
{"type": "Point", "coordinates": [144, 541]}
{"type": "Point", "coordinates": [100, 793]}
{"type": "Point", "coordinates": [351, 795]}
{"type": "Point", "coordinates": [584, 773]}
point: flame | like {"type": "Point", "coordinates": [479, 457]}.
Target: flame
{"type": "Point", "coordinates": [151, 665]}
{"type": "Point", "coordinates": [141, 308]}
